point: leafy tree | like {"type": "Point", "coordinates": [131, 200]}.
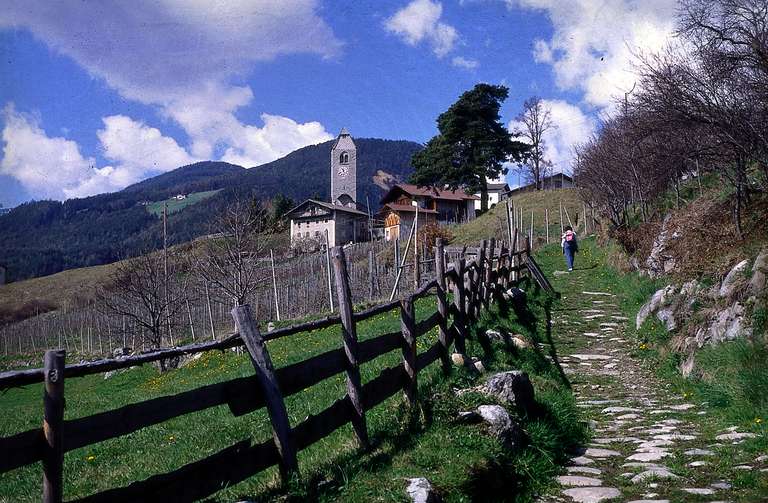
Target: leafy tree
{"type": "Point", "coordinates": [472, 145]}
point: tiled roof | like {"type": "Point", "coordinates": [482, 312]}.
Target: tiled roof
{"type": "Point", "coordinates": [455, 195]}
{"type": "Point", "coordinates": [330, 206]}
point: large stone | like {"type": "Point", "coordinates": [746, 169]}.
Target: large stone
{"type": "Point", "coordinates": [660, 261]}
{"type": "Point", "coordinates": [501, 425]}
{"type": "Point", "coordinates": [592, 494]}
{"type": "Point", "coordinates": [420, 490]}
{"type": "Point", "coordinates": [759, 280]}
{"type": "Point", "coordinates": [653, 473]}
{"type": "Point", "coordinates": [578, 481]}
{"type": "Point", "coordinates": [733, 280]}
{"type": "Point", "coordinates": [662, 298]}
{"type": "Point", "coordinates": [727, 325]}
{"type": "Point", "coordinates": [734, 435]}
{"type": "Point", "coordinates": [514, 387]}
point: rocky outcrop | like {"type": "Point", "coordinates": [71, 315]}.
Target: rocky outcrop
{"type": "Point", "coordinates": [661, 260]}
{"type": "Point", "coordinates": [759, 281]}
{"type": "Point", "coordinates": [724, 316]}
{"type": "Point", "coordinates": [733, 280]}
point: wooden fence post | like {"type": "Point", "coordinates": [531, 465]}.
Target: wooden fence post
{"type": "Point", "coordinates": [371, 282]}
{"type": "Point", "coordinates": [479, 287]}
{"type": "Point", "coordinates": [489, 273]}
{"type": "Point", "coordinates": [265, 373]}
{"type": "Point", "coordinates": [53, 419]}
{"type": "Point", "coordinates": [442, 304]}
{"type": "Point", "coordinates": [408, 328]}
{"type": "Point", "coordinates": [349, 336]}
{"type": "Point", "coordinates": [460, 305]}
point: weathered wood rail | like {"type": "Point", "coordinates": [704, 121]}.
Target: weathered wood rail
{"type": "Point", "coordinates": [473, 287]}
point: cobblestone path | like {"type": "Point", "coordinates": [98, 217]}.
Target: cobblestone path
{"type": "Point", "coordinates": [649, 444]}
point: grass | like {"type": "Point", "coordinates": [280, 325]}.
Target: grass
{"type": "Point", "coordinates": [494, 221]}
{"type": "Point", "coordinates": [175, 205]}
{"type": "Point", "coordinates": [460, 459]}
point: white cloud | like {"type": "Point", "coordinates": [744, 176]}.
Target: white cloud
{"type": "Point", "coordinates": [180, 56]}
{"type": "Point", "coordinates": [420, 21]}
{"type": "Point", "coordinates": [54, 168]}
{"type": "Point", "coordinates": [153, 50]}
{"type": "Point", "coordinates": [595, 41]}
{"type": "Point", "coordinates": [46, 167]}
{"type": "Point", "coordinates": [571, 127]}
{"type": "Point", "coordinates": [209, 119]}
{"type": "Point", "coordinates": [467, 64]}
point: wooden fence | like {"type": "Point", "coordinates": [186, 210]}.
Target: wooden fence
{"type": "Point", "coordinates": [472, 287]}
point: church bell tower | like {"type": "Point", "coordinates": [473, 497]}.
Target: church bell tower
{"type": "Point", "coordinates": [344, 170]}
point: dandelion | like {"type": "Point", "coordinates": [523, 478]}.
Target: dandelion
{"type": "Point", "coordinates": [171, 438]}
{"type": "Point", "coordinates": [90, 458]}
{"type": "Point", "coordinates": [758, 420]}
{"type": "Point", "coordinates": [643, 346]}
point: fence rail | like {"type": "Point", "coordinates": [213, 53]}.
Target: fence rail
{"type": "Point", "coordinates": [473, 288]}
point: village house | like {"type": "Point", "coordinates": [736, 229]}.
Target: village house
{"type": "Point", "coordinates": [556, 181]}
{"type": "Point", "coordinates": [497, 192]}
{"type": "Point", "coordinates": [340, 217]}
{"type": "Point", "coordinates": [435, 206]}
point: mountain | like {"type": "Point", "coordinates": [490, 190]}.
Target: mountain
{"type": "Point", "coordinates": [45, 237]}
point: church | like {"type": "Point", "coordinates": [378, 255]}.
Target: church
{"type": "Point", "coordinates": [340, 217]}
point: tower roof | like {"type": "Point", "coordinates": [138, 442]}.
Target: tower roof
{"type": "Point", "coordinates": [344, 132]}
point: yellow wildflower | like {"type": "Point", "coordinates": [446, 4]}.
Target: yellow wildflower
{"type": "Point", "coordinates": [90, 458]}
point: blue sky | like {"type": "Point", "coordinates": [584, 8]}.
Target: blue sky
{"type": "Point", "coordinates": [96, 95]}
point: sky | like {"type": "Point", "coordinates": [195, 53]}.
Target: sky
{"type": "Point", "coordinates": [98, 94]}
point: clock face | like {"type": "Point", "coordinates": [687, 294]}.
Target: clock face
{"type": "Point", "coordinates": [343, 170]}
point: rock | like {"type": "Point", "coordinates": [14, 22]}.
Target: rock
{"type": "Point", "coordinates": [700, 491]}
{"type": "Point", "coordinates": [601, 453]}
{"type": "Point", "coordinates": [592, 494]}
{"type": "Point", "coordinates": [588, 357]}
{"type": "Point", "coordinates": [653, 473]}
{"type": "Point", "coordinates": [661, 298]}
{"type": "Point", "coordinates": [420, 490]}
{"type": "Point", "coordinates": [617, 410]}
{"type": "Point", "coordinates": [699, 452]}
{"type": "Point", "coordinates": [735, 436]}
{"type": "Point", "coordinates": [270, 326]}
{"type": "Point", "coordinates": [697, 464]}
{"type": "Point", "coordinates": [457, 359]}
{"type": "Point", "coordinates": [501, 425]}
{"type": "Point", "coordinates": [721, 485]}
{"type": "Point", "coordinates": [733, 280]}
{"type": "Point", "coordinates": [512, 386]}
{"type": "Point", "coordinates": [649, 456]}
{"type": "Point", "coordinates": [478, 365]}
{"type": "Point", "coordinates": [519, 342]}
{"type": "Point", "coordinates": [582, 461]}
{"type": "Point", "coordinates": [579, 481]}
{"type": "Point", "coordinates": [728, 324]}
{"type": "Point", "coordinates": [649, 501]}
{"type": "Point", "coordinates": [659, 261]}
{"type": "Point", "coordinates": [687, 366]}
{"type": "Point", "coordinates": [759, 280]}
{"type": "Point", "coordinates": [469, 417]}
{"type": "Point", "coordinates": [584, 469]}
{"type": "Point", "coordinates": [494, 335]}
{"type": "Point", "coordinates": [121, 352]}
{"type": "Point", "coordinates": [682, 406]}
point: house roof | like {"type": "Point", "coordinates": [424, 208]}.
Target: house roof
{"type": "Point", "coordinates": [546, 179]}
{"type": "Point", "coordinates": [328, 206]}
{"type": "Point", "coordinates": [406, 207]}
{"type": "Point", "coordinates": [435, 193]}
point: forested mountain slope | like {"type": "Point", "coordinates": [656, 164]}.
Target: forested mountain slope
{"type": "Point", "coordinates": [46, 237]}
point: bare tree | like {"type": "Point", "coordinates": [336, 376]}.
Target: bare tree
{"type": "Point", "coordinates": [228, 259]}
{"type": "Point", "coordinates": [535, 121]}
{"type": "Point", "coordinates": [140, 290]}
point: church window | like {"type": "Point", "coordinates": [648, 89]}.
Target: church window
{"type": "Point", "coordinates": [344, 158]}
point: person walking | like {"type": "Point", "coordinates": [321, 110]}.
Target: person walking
{"type": "Point", "coordinates": [570, 246]}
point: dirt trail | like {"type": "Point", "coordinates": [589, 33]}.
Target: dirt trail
{"type": "Point", "coordinates": [650, 444]}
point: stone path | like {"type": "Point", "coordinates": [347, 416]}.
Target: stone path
{"type": "Point", "coordinates": [649, 445]}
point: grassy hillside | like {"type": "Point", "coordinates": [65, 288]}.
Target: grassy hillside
{"type": "Point", "coordinates": [176, 205]}
{"type": "Point", "coordinates": [463, 461]}
{"type": "Point", "coordinates": [493, 223]}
